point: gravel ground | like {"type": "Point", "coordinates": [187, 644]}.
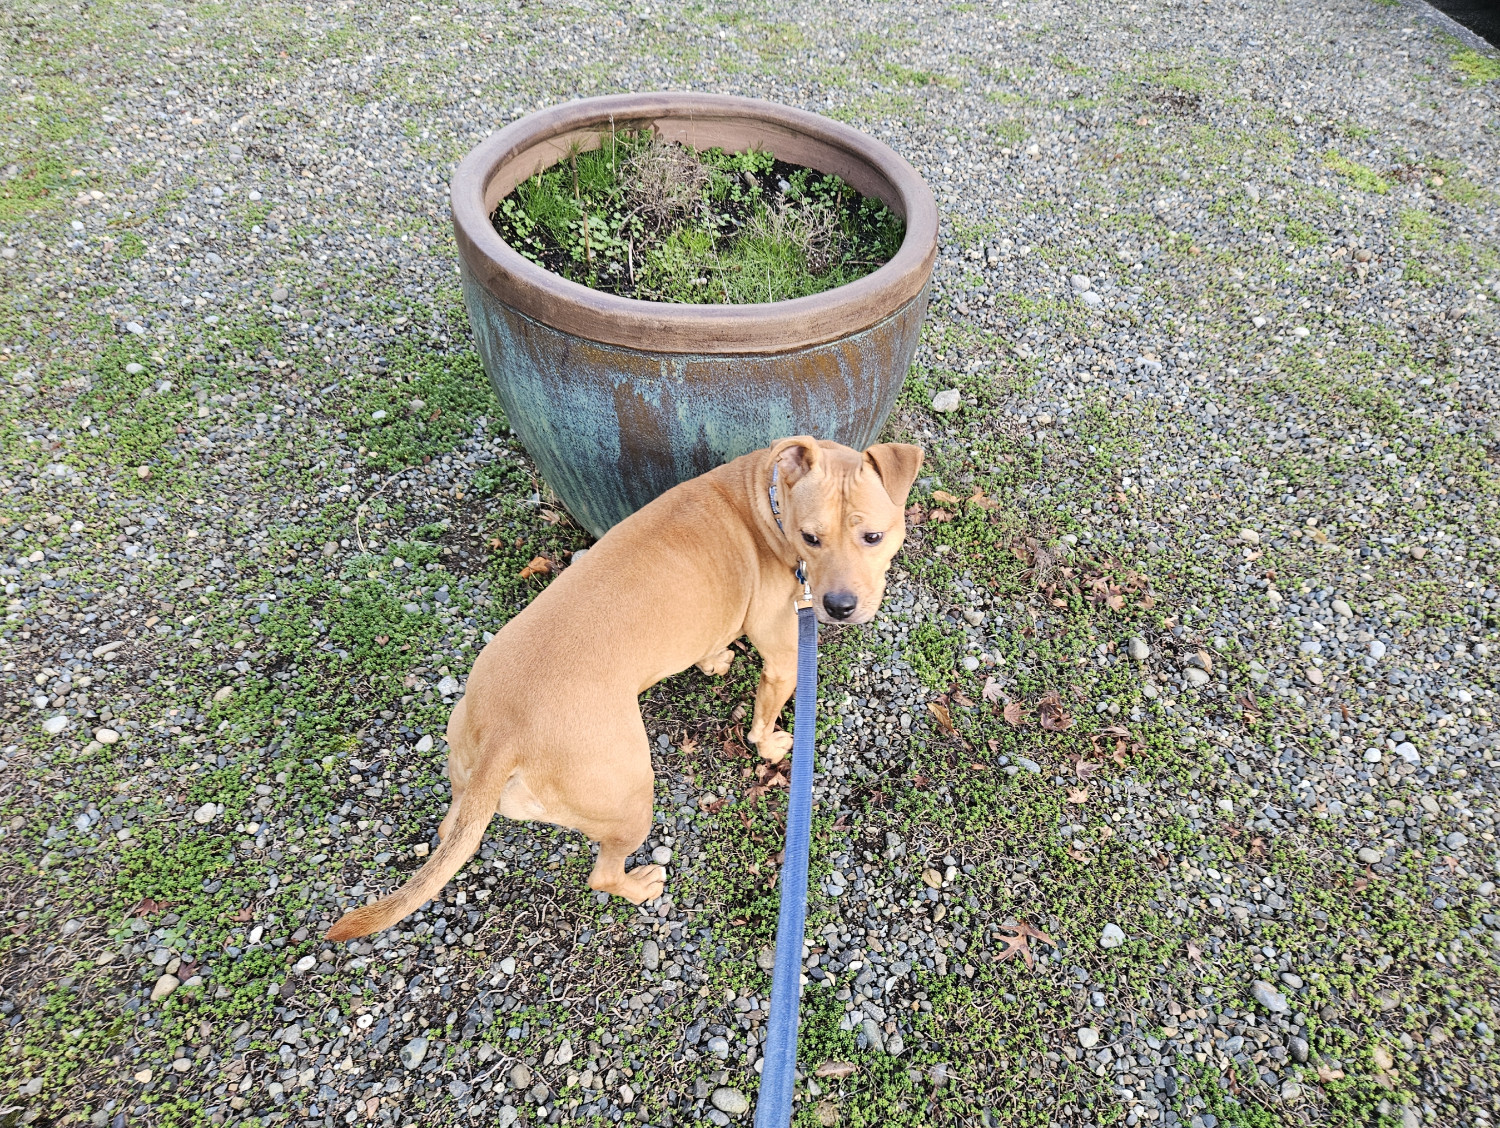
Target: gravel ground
{"type": "Point", "coordinates": [1161, 791]}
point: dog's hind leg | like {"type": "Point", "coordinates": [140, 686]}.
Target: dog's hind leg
{"type": "Point", "coordinates": [460, 764]}
{"type": "Point", "coordinates": [609, 796]}
{"type": "Point", "coordinates": [716, 665]}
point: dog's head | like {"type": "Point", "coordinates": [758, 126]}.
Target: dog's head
{"type": "Point", "coordinates": [843, 513]}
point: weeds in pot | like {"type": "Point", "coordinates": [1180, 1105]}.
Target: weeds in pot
{"type": "Point", "coordinates": [646, 218]}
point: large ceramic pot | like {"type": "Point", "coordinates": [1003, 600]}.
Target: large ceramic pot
{"type": "Point", "coordinates": [618, 400]}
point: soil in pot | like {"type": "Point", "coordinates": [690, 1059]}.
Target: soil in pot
{"type": "Point", "coordinates": [650, 219]}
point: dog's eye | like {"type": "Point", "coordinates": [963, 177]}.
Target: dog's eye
{"type": "Point", "coordinates": [874, 538]}
{"type": "Point", "coordinates": [810, 539]}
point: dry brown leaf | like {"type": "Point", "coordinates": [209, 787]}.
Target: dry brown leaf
{"type": "Point", "coordinates": [940, 711]}
{"type": "Point", "coordinates": [836, 1069]}
{"type": "Point", "coordinates": [939, 516]}
{"type": "Point", "coordinates": [1019, 945]}
{"type": "Point", "coordinates": [1076, 854]}
{"type": "Point", "coordinates": [914, 515]}
{"type": "Point", "coordinates": [1115, 602]}
{"type": "Point", "coordinates": [991, 690]}
{"type": "Point", "coordinates": [1105, 832]}
{"type": "Point", "coordinates": [1078, 795]}
{"type": "Point", "coordinates": [1053, 716]}
{"type": "Point", "coordinates": [958, 698]}
{"type": "Point", "coordinates": [1084, 769]}
{"type": "Point", "coordinates": [539, 566]}
{"type": "Point", "coordinates": [1195, 953]}
{"type": "Point", "coordinates": [1327, 1074]}
{"type": "Point", "coordinates": [1015, 714]}
{"type": "Point", "coordinates": [983, 502]}
{"type": "Point", "coordinates": [943, 497]}
{"type": "Point", "coordinates": [688, 746]}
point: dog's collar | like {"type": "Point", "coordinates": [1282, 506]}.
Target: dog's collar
{"type": "Point", "coordinates": [801, 569]}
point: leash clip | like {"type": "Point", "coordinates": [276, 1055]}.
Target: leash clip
{"type": "Point", "coordinates": [806, 598]}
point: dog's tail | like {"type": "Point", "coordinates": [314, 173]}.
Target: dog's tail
{"type": "Point", "coordinates": [478, 804]}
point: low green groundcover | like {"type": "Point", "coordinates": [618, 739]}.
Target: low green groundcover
{"type": "Point", "coordinates": [645, 218]}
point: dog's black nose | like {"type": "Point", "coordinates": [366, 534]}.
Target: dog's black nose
{"type": "Point", "coordinates": [840, 604]}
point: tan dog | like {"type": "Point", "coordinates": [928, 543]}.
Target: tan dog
{"type": "Point", "coordinates": [550, 728]}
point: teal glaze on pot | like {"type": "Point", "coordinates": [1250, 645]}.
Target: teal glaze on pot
{"type": "Point", "coordinates": [618, 400]}
{"type": "Point", "coordinates": [610, 428]}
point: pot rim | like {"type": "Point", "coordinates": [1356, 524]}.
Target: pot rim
{"type": "Point", "coordinates": [539, 140]}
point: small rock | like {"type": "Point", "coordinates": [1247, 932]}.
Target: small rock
{"type": "Point", "coordinates": [564, 1053]}
{"type": "Point", "coordinates": [1259, 322]}
{"type": "Point", "coordinates": [1091, 299]}
{"type": "Point", "coordinates": [143, 472]}
{"type": "Point", "coordinates": [1088, 1037]}
{"type": "Point", "coordinates": [54, 725]}
{"type": "Point", "coordinates": [224, 693]}
{"type": "Point", "coordinates": [106, 735]}
{"type": "Point", "coordinates": [872, 1035]}
{"type": "Point", "coordinates": [424, 745]}
{"type": "Point", "coordinates": [1030, 765]}
{"type": "Point", "coordinates": [448, 687]}
{"type": "Point", "coordinates": [937, 1076]}
{"type": "Point", "coordinates": [520, 1075]}
{"type": "Point", "coordinates": [1301, 331]}
{"type": "Point", "coordinates": [1139, 650]}
{"type": "Point", "coordinates": [420, 850]}
{"type": "Point", "coordinates": [144, 1076]}
{"type": "Point", "coordinates": [971, 663]}
{"type": "Point", "coordinates": [508, 965]}
{"type": "Point", "coordinates": [1373, 755]}
{"type": "Point", "coordinates": [205, 813]}
{"type": "Point", "coordinates": [1111, 937]}
{"type": "Point", "coordinates": [1292, 980]}
{"type": "Point", "coordinates": [729, 1101]}
{"type": "Point", "coordinates": [1195, 676]}
{"type": "Point", "coordinates": [1082, 282]}
{"type": "Point", "coordinates": [306, 964]}
{"type": "Point", "coordinates": [1377, 650]}
{"type": "Point", "coordinates": [1456, 841]}
{"type": "Point", "coordinates": [1418, 551]}
{"type": "Point", "coordinates": [1249, 536]}
{"type": "Point", "coordinates": [1369, 855]}
{"type": "Point", "coordinates": [280, 294]}
{"type": "Point", "coordinates": [1408, 752]}
{"type": "Point", "coordinates": [1299, 1049]}
{"type": "Point", "coordinates": [650, 955]}
{"type": "Point", "coordinates": [413, 1052]}
{"type": "Point", "coordinates": [1290, 1090]}
{"type": "Point", "coordinates": [1343, 609]}
{"type": "Point", "coordinates": [661, 855]}
{"type": "Point", "coordinates": [1314, 675]}
{"type": "Point", "coordinates": [1270, 998]}
{"type": "Point", "coordinates": [164, 987]}
{"type": "Point", "coordinates": [946, 401]}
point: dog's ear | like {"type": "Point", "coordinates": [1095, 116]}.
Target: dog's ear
{"type": "Point", "coordinates": [797, 457]}
{"type": "Point", "coordinates": [897, 464]}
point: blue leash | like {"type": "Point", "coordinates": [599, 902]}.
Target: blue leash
{"type": "Point", "coordinates": [778, 1069]}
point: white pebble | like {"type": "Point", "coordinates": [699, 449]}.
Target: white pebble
{"type": "Point", "coordinates": [205, 813]}
{"type": "Point", "coordinates": [946, 401]}
{"type": "Point", "coordinates": [54, 725]}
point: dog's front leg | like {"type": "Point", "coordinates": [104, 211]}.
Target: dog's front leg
{"type": "Point", "coordinates": [777, 642]}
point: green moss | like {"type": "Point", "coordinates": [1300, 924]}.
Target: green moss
{"type": "Point", "coordinates": [1475, 66]}
{"type": "Point", "coordinates": [1361, 176]}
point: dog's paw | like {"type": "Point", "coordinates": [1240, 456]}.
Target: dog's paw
{"type": "Point", "coordinates": [775, 745]}
{"type": "Point", "coordinates": [642, 884]}
{"type": "Point", "coordinates": [718, 665]}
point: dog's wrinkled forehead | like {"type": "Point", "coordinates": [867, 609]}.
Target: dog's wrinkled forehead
{"type": "Point", "coordinates": [843, 489]}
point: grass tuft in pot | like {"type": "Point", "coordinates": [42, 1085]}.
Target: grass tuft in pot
{"type": "Point", "coordinates": [645, 218]}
